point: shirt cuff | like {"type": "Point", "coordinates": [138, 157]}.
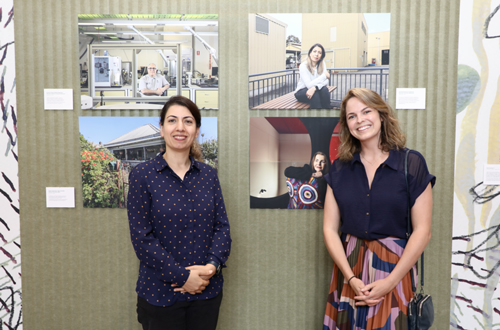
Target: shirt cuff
{"type": "Point", "coordinates": [211, 257]}
{"type": "Point", "coordinates": [178, 276]}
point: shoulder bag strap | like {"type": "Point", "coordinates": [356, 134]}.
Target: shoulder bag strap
{"type": "Point", "coordinates": [409, 228]}
{"type": "Point", "coordinates": [408, 224]}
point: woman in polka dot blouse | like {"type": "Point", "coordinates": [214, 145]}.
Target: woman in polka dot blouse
{"type": "Point", "coordinates": [179, 228]}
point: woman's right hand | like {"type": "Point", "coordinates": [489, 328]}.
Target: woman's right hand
{"type": "Point", "coordinates": [317, 174]}
{"type": "Point", "coordinates": [195, 283]}
{"type": "Point", "coordinates": [356, 285]}
{"type": "Point", "coordinates": [310, 92]}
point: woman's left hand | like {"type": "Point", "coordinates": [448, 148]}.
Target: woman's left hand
{"type": "Point", "coordinates": [317, 174]}
{"type": "Point", "coordinates": [374, 293]}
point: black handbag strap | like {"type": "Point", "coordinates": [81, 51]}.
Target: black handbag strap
{"type": "Point", "coordinates": [409, 228]}
{"type": "Point", "coordinates": [408, 224]}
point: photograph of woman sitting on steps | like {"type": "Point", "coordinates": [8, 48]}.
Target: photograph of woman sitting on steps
{"type": "Point", "coordinates": [313, 84]}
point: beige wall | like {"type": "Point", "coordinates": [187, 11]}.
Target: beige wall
{"type": "Point", "coordinates": [268, 50]}
{"type": "Point", "coordinates": [295, 150]}
{"type": "Point", "coordinates": [78, 266]}
{"type": "Point", "coordinates": [340, 33]}
{"type": "Point", "coordinates": [374, 50]}
{"type": "Point", "coordinates": [264, 157]}
{"type": "Point", "coordinates": [268, 53]}
{"type": "Point", "coordinates": [202, 61]}
{"type": "Point", "coordinates": [362, 46]}
{"type": "Point", "coordinates": [270, 154]}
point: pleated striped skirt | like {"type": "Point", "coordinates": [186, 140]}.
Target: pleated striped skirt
{"type": "Point", "coordinates": [370, 261]}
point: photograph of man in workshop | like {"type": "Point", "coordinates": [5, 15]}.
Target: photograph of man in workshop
{"type": "Point", "coordinates": [139, 61]}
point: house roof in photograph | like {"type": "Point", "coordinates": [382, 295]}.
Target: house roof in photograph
{"type": "Point", "coordinates": [294, 46]}
{"type": "Point", "coordinates": [145, 132]}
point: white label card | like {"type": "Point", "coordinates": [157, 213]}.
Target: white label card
{"type": "Point", "coordinates": [59, 197]}
{"type": "Point", "coordinates": [410, 98]}
{"type": "Point", "coordinates": [58, 99]}
{"type": "Point", "coordinates": [491, 174]}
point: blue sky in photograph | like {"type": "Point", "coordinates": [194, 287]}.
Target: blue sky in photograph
{"type": "Point", "coordinates": [378, 22]}
{"type": "Point", "coordinates": [105, 129]}
{"type": "Point", "coordinates": [294, 22]}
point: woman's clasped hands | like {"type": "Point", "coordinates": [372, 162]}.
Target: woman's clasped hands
{"type": "Point", "coordinates": [199, 278]}
{"type": "Point", "coordinates": [370, 294]}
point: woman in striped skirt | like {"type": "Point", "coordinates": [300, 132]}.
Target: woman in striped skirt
{"type": "Point", "coordinates": [367, 201]}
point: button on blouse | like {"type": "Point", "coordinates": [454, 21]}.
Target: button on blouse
{"type": "Point", "coordinates": [382, 210]}
{"type": "Point", "coordinates": [174, 224]}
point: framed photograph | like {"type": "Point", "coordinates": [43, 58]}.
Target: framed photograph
{"type": "Point", "coordinates": [289, 157]}
{"type": "Point", "coordinates": [138, 61]}
{"type": "Point", "coordinates": [310, 61]}
{"type": "Point", "coordinates": [111, 146]}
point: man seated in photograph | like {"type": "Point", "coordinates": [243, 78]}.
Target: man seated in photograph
{"type": "Point", "coordinates": [153, 84]}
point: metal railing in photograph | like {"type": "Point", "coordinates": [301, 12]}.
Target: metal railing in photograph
{"type": "Point", "coordinates": [265, 87]}
{"type": "Point", "coordinates": [374, 78]}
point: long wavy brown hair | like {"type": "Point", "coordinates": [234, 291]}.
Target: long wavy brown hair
{"type": "Point", "coordinates": [391, 135]}
{"type": "Point", "coordinates": [319, 65]}
{"type": "Point", "coordinates": [195, 150]}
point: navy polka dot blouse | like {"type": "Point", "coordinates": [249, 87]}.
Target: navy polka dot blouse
{"type": "Point", "coordinates": [174, 224]}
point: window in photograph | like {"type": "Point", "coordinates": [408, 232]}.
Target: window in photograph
{"type": "Point", "coordinates": [261, 25]}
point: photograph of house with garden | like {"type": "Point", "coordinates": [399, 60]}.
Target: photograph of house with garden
{"type": "Point", "coordinates": [111, 146]}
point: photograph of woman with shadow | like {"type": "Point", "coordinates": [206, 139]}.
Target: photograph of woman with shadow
{"type": "Point", "coordinates": [306, 185]}
{"type": "Point", "coordinates": [289, 157]}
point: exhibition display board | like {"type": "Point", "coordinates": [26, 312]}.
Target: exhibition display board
{"type": "Point", "coordinates": [79, 268]}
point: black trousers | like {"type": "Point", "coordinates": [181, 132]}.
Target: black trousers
{"type": "Point", "coordinates": [183, 315]}
{"type": "Point", "coordinates": [320, 99]}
